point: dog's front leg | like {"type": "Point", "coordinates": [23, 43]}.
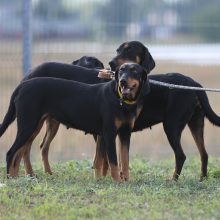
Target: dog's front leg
{"type": "Point", "coordinates": [109, 139]}
{"type": "Point", "coordinates": [124, 145]}
{"type": "Point", "coordinates": [100, 158]}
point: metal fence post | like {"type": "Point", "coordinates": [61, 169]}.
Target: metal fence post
{"type": "Point", "coordinates": [27, 36]}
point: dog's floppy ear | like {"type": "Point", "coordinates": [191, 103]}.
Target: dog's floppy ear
{"type": "Point", "coordinates": [146, 87]}
{"type": "Point", "coordinates": [144, 74]}
{"type": "Point", "coordinates": [75, 62]}
{"type": "Point", "coordinates": [116, 74]}
{"type": "Point", "coordinates": [101, 65]}
{"type": "Point", "coordinates": [147, 61]}
{"type": "Point", "coordinates": [116, 79]}
{"type": "Point", "coordinates": [145, 83]}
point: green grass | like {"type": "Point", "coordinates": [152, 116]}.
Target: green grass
{"type": "Point", "coordinates": [72, 193]}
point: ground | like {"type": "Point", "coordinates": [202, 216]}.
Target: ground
{"type": "Point", "coordinates": [72, 193]}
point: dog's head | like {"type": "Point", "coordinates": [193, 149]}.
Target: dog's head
{"type": "Point", "coordinates": [133, 51]}
{"type": "Point", "coordinates": [131, 80]}
{"type": "Point", "coordinates": [89, 62]}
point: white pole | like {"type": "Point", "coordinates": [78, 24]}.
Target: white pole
{"type": "Point", "coordinates": [27, 36]}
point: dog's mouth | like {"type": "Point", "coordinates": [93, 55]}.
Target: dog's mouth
{"type": "Point", "coordinates": [126, 92]}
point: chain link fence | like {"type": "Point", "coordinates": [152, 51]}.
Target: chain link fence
{"type": "Point", "coordinates": [182, 36]}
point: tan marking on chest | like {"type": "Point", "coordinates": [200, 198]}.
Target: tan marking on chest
{"type": "Point", "coordinates": [118, 123]}
{"type": "Point", "coordinates": [138, 59]}
{"type": "Point", "coordinates": [139, 109]}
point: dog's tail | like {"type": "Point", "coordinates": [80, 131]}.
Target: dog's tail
{"type": "Point", "coordinates": [209, 113]}
{"type": "Point", "coordinates": [10, 115]}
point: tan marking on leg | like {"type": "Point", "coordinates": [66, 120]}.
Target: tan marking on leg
{"type": "Point", "coordinates": [198, 137]}
{"type": "Point", "coordinates": [105, 165]}
{"type": "Point", "coordinates": [114, 170]}
{"type": "Point", "coordinates": [18, 160]}
{"type": "Point", "coordinates": [27, 148]}
{"type": "Point", "coordinates": [27, 162]}
{"type": "Point", "coordinates": [98, 160]}
{"type": "Point", "coordinates": [124, 154]}
{"type": "Point", "coordinates": [14, 168]}
{"type": "Point", "coordinates": [120, 160]}
{"type": "Point", "coordinates": [52, 127]}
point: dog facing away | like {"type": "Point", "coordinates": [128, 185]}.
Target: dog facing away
{"type": "Point", "coordinates": [174, 108]}
{"type": "Point", "coordinates": [113, 109]}
{"type": "Point", "coordinates": [89, 62]}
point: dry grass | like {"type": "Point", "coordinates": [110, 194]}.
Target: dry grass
{"type": "Point", "coordinates": [72, 144]}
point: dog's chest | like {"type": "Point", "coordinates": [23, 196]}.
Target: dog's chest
{"type": "Point", "coordinates": [127, 117]}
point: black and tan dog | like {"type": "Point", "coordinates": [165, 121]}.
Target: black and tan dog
{"type": "Point", "coordinates": [173, 107]}
{"type": "Point", "coordinates": [70, 72]}
{"type": "Point", "coordinates": [113, 109]}
{"type": "Point", "coordinates": [65, 71]}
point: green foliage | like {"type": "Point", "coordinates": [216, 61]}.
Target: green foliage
{"type": "Point", "coordinates": [116, 14]}
{"type": "Point", "coordinates": [207, 22]}
{"type": "Point", "coordinates": [72, 193]}
{"type": "Point", "coordinates": [55, 9]}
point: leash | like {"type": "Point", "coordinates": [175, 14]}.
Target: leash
{"type": "Point", "coordinates": [173, 86]}
{"type": "Point", "coordinates": [168, 85]}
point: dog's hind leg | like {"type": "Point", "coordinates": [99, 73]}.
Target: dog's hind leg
{"type": "Point", "coordinates": [17, 150]}
{"type": "Point", "coordinates": [174, 134]}
{"type": "Point", "coordinates": [52, 127]}
{"type": "Point", "coordinates": [109, 140]}
{"type": "Point", "coordinates": [100, 158]}
{"type": "Point", "coordinates": [196, 125]}
{"type": "Point", "coordinates": [27, 148]}
{"type": "Point", "coordinates": [27, 162]}
{"type": "Point", "coordinates": [24, 138]}
{"type": "Point", "coordinates": [105, 166]}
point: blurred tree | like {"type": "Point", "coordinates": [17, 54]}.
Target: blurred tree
{"type": "Point", "coordinates": [207, 22]}
{"type": "Point", "coordinates": [199, 18]}
{"type": "Point", "coordinates": [116, 16]}
{"type": "Point", "coordinates": [50, 8]}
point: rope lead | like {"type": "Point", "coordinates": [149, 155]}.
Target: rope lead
{"type": "Point", "coordinates": [172, 86]}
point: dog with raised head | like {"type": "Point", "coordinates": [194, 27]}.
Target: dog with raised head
{"type": "Point", "coordinates": [174, 108]}
{"type": "Point", "coordinates": [113, 109]}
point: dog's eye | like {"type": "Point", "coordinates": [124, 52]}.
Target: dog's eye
{"type": "Point", "coordinates": [133, 70]}
{"type": "Point", "coordinates": [134, 86]}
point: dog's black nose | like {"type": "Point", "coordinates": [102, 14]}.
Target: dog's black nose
{"type": "Point", "coordinates": [123, 82]}
{"type": "Point", "coordinates": [112, 64]}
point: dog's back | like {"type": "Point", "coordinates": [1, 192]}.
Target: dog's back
{"type": "Point", "coordinates": [65, 71]}
{"type": "Point", "coordinates": [56, 96]}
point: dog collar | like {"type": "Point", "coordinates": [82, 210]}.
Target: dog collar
{"type": "Point", "coordinates": [128, 102]}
